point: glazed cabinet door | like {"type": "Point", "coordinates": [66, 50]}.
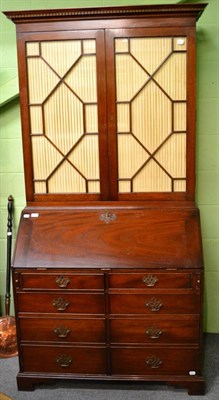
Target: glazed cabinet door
{"type": "Point", "coordinates": [64, 114]}
{"type": "Point", "coordinates": [109, 114]}
{"type": "Point", "coordinates": [149, 116]}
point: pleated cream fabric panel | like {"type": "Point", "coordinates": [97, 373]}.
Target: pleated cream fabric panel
{"type": "Point", "coordinates": [151, 114]}
{"type": "Point", "coordinates": [62, 89]}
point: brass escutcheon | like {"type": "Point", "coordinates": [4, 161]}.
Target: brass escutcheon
{"type": "Point", "coordinates": [107, 217]}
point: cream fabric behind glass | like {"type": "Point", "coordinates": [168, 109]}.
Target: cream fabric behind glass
{"type": "Point", "coordinates": [151, 114]}
{"type": "Point", "coordinates": [63, 116]}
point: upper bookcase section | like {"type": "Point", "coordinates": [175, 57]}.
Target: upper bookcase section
{"type": "Point", "coordinates": [108, 102]}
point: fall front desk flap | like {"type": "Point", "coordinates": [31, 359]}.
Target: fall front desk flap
{"type": "Point", "coordinates": [115, 237]}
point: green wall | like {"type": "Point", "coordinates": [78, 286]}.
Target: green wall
{"type": "Point", "coordinates": [207, 188]}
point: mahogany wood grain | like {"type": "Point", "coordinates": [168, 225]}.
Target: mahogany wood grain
{"type": "Point", "coordinates": [151, 281]}
{"type": "Point", "coordinates": [74, 329]}
{"type": "Point", "coordinates": [134, 238]}
{"type": "Point", "coordinates": [177, 361]}
{"type": "Point", "coordinates": [154, 330]}
{"type": "Point", "coordinates": [128, 304]}
{"type": "Point", "coordinates": [85, 360]}
{"type": "Point", "coordinates": [76, 303]}
{"type": "Point", "coordinates": [53, 281]}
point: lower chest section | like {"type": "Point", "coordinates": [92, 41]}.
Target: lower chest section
{"type": "Point", "coordinates": [111, 323]}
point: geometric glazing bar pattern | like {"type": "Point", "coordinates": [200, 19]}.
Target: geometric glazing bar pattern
{"type": "Point", "coordinates": [151, 106]}
{"type": "Point", "coordinates": [63, 110]}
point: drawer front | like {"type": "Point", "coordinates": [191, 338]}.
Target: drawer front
{"type": "Point", "coordinates": [59, 280]}
{"type": "Point", "coordinates": [61, 303]}
{"type": "Point", "coordinates": [155, 361]}
{"type": "Point", "coordinates": [148, 304]}
{"type": "Point", "coordinates": [82, 360]}
{"type": "Point", "coordinates": [89, 330]}
{"type": "Point", "coordinates": [151, 280]}
{"type": "Point", "coordinates": [154, 330]}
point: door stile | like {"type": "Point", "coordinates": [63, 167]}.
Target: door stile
{"type": "Point", "coordinates": [111, 106]}
{"type": "Point", "coordinates": [102, 116]}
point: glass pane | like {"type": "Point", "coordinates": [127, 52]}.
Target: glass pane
{"type": "Point", "coordinates": [93, 187]}
{"type": "Point", "coordinates": [179, 117]}
{"type": "Point", "coordinates": [89, 46]}
{"type": "Point", "coordinates": [179, 186]}
{"type": "Point", "coordinates": [151, 116]}
{"type": "Point", "coordinates": [131, 156]}
{"type": "Point", "coordinates": [83, 79]}
{"type": "Point", "coordinates": [152, 179]}
{"type": "Point", "coordinates": [45, 157]}
{"type": "Point", "coordinates": [61, 55]}
{"type": "Point", "coordinates": [85, 157]}
{"type": "Point", "coordinates": [63, 118]}
{"type": "Point", "coordinates": [172, 76]}
{"type": "Point", "coordinates": [130, 77]}
{"type": "Point", "coordinates": [172, 155]}
{"type": "Point", "coordinates": [180, 44]}
{"type": "Point", "coordinates": [123, 118]}
{"type": "Point", "coordinates": [33, 49]}
{"type": "Point", "coordinates": [91, 115]}
{"type": "Point", "coordinates": [150, 52]}
{"type": "Point", "coordinates": [41, 80]}
{"type": "Point", "coordinates": [121, 45]}
{"type": "Point", "coordinates": [66, 180]}
{"type": "Point", "coordinates": [40, 187]}
{"type": "Point", "coordinates": [124, 187]}
{"type": "Point", "coordinates": [36, 119]}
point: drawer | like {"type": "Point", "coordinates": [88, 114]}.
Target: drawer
{"type": "Point", "coordinates": [54, 359]}
{"type": "Point", "coordinates": [151, 280]}
{"type": "Point", "coordinates": [60, 280]}
{"type": "Point", "coordinates": [154, 330]}
{"type": "Point", "coordinates": [62, 303]}
{"type": "Point", "coordinates": [149, 304]}
{"type": "Point", "coordinates": [155, 361]}
{"type": "Point", "coordinates": [89, 330]}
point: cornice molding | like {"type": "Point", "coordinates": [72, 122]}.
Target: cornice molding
{"type": "Point", "coordinates": [89, 13]}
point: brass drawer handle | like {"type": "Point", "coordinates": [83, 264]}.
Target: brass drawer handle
{"type": "Point", "coordinates": [62, 331]}
{"type": "Point", "coordinates": [64, 361]}
{"type": "Point", "coordinates": [62, 281]}
{"type": "Point", "coordinates": [153, 332]}
{"type": "Point", "coordinates": [150, 280]}
{"type": "Point", "coordinates": [60, 303]}
{"type": "Point", "coordinates": [153, 362]}
{"type": "Point", "coordinates": [154, 304]}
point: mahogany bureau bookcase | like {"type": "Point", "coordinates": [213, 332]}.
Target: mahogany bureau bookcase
{"type": "Point", "coordinates": [108, 264]}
